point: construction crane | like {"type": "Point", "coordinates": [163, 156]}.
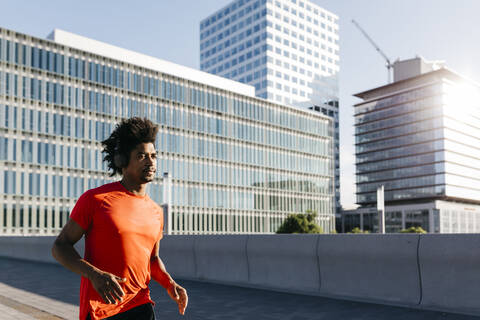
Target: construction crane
{"type": "Point", "coordinates": [388, 64]}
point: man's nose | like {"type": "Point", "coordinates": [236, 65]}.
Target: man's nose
{"type": "Point", "coordinates": [151, 159]}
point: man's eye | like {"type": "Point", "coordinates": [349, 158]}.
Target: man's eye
{"type": "Point", "coordinates": [141, 156]}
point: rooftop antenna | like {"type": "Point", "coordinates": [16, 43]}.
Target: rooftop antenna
{"type": "Point", "coordinates": [388, 64]}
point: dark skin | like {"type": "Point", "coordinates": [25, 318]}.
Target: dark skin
{"type": "Point", "coordinates": [140, 171]}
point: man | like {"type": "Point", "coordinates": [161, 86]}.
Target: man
{"type": "Point", "coordinates": [122, 228]}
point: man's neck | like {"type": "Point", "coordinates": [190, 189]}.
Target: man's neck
{"type": "Point", "coordinates": [134, 187]}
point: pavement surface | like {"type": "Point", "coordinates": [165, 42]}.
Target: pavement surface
{"type": "Point", "coordinates": [30, 290]}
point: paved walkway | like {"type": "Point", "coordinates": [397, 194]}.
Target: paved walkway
{"type": "Point", "coordinates": [31, 290]}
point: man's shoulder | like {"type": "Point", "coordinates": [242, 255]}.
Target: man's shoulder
{"type": "Point", "coordinates": [99, 193]}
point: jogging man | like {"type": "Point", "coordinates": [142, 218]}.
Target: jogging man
{"type": "Point", "coordinates": [122, 228]}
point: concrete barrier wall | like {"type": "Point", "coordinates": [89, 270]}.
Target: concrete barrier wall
{"type": "Point", "coordinates": [439, 272]}
{"type": "Point", "coordinates": [450, 272]}
{"type": "Point", "coordinates": [31, 248]}
{"type": "Point", "coordinates": [222, 258]}
{"type": "Point", "coordinates": [373, 267]}
{"type": "Point", "coordinates": [179, 251]}
{"type": "Point", "coordinates": [284, 262]}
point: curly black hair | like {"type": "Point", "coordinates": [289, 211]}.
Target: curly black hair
{"type": "Point", "coordinates": [125, 137]}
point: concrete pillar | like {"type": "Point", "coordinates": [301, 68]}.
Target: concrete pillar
{"type": "Point", "coordinates": [431, 227]}
{"type": "Point", "coordinates": [267, 222]}
{"type": "Point", "coordinates": [57, 218]}
{"type": "Point", "coordinates": [17, 211]}
{"type": "Point", "coordinates": [190, 221]}
{"type": "Point", "coordinates": [42, 218]}
{"type": "Point", "coordinates": [25, 226]}
{"type": "Point", "coordinates": [33, 211]}
{"type": "Point", "coordinates": [167, 203]}
{"type": "Point", "coordinates": [48, 217]}
{"type": "Point", "coordinates": [8, 222]}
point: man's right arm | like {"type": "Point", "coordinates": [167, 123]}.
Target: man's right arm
{"type": "Point", "coordinates": [64, 252]}
{"type": "Point", "coordinates": [106, 284]}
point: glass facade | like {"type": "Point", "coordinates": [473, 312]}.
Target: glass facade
{"type": "Point", "coordinates": [238, 164]}
{"type": "Point", "coordinates": [419, 141]}
{"type": "Point", "coordinates": [434, 217]}
{"type": "Point", "coordinates": [287, 49]}
{"type": "Point", "coordinates": [419, 137]}
{"type": "Point", "coordinates": [395, 220]}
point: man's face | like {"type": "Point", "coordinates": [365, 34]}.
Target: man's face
{"type": "Point", "coordinates": [143, 163]}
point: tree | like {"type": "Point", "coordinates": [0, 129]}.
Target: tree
{"type": "Point", "coordinates": [300, 223]}
{"type": "Point", "coordinates": [358, 230]}
{"type": "Point", "coordinates": [413, 230]}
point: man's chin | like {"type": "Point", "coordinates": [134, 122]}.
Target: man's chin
{"type": "Point", "coordinates": [149, 178]}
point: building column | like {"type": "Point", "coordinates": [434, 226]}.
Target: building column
{"type": "Point", "coordinates": [403, 220]}
{"type": "Point", "coordinates": [267, 223]}
{"type": "Point", "coordinates": [24, 227]}
{"type": "Point", "coordinates": [9, 218]}
{"type": "Point", "coordinates": [190, 220]}
{"type": "Point", "coordinates": [33, 211]}
{"type": "Point", "coordinates": [361, 221]}
{"type": "Point", "coordinates": [431, 227]}
{"type": "Point", "coordinates": [48, 217]}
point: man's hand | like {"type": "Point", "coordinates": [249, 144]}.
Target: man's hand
{"type": "Point", "coordinates": [160, 274]}
{"type": "Point", "coordinates": [179, 295]}
{"type": "Point", "coordinates": [108, 287]}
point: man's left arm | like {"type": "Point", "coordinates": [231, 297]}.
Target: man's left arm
{"type": "Point", "coordinates": [159, 273]}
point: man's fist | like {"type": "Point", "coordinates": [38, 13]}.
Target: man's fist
{"type": "Point", "coordinates": [108, 287]}
{"type": "Point", "coordinates": [179, 295]}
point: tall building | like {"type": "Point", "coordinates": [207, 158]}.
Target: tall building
{"type": "Point", "coordinates": [287, 49]}
{"type": "Point", "coordinates": [419, 137]}
{"type": "Point", "coordinates": [237, 163]}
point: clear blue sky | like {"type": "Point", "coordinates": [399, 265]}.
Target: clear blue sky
{"type": "Point", "coordinates": [169, 29]}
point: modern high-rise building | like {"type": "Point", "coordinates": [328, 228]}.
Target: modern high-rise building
{"type": "Point", "coordinates": [236, 163]}
{"type": "Point", "coordinates": [419, 137]}
{"type": "Point", "coordinates": [287, 49]}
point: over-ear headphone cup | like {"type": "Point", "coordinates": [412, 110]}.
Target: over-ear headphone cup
{"type": "Point", "coordinates": [119, 160]}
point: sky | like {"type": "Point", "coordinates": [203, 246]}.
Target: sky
{"type": "Point", "coordinates": [169, 29]}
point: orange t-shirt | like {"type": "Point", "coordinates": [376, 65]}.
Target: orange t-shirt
{"type": "Point", "coordinates": [121, 232]}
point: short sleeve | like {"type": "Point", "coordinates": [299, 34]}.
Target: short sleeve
{"type": "Point", "coordinates": [82, 212]}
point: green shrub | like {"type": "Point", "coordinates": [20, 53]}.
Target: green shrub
{"type": "Point", "coordinates": [300, 223]}
{"type": "Point", "coordinates": [413, 230]}
{"type": "Point", "coordinates": [358, 230]}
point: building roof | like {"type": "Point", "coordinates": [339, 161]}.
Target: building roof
{"type": "Point", "coordinates": [442, 72]}
{"type": "Point", "coordinates": [313, 4]}
{"type": "Point", "coordinates": [113, 52]}
{"type": "Point", "coordinates": [82, 43]}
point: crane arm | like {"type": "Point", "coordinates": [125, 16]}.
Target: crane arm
{"type": "Point", "coordinates": [389, 64]}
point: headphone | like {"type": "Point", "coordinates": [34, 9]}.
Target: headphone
{"type": "Point", "coordinates": [119, 159]}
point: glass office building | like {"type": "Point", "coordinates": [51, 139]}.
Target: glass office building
{"type": "Point", "coordinates": [287, 49]}
{"type": "Point", "coordinates": [236, 163]}
{"type": "Point", "coordinates": [419, 137]}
